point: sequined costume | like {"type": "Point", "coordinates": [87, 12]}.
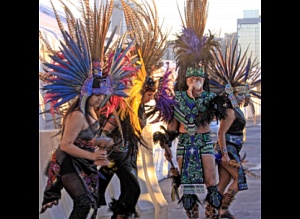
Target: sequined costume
{"type": "Point", "coordinates": [192, 144]}
{"type": "Point", "coordinates": [62, 167]}
{"type": "Point", "coordinates": [192, 112]}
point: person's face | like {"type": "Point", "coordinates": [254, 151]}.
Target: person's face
{"type": "Point", "coordinates": [240, 97]}
{"type": "Point", "coordinates": [96, 99]}
{"type": "Point", "coordinates": [195, 82]}
{"type": "Point", "coordinates": [148, 96]}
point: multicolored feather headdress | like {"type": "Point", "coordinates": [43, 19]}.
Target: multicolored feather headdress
{"type": "Point", "coordinates": [232, 71]}
{"type": "Point", "coordinates": [74, 75]}
{"type": "Point", "coordinates": [192, 46]}
{"type": "Point", "coordinates": [84, 56]}
{"type": "Point", "coordinates": [150, 43]}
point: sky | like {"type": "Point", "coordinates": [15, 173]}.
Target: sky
{"type": "Point", "coordinates": [222, 14]}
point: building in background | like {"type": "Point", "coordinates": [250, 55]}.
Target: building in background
{"type": "Point", "coordinates": [249, 32]}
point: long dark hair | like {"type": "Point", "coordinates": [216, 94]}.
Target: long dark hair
{"type": "Point", "coordinates": [75, 105]}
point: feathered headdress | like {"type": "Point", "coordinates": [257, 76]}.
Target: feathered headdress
{"type": "Point", "coordinates": [143, 26]}
{"type": "Point", "coordinates": [164, 99]}
{"type": "Point", "coordinates": [75, 73]}
{"type": "Point", "coordinates": [192, 46]}
{"type": "Point", "coordinates": [232, 71]}
{"type": "Point", "coordinates": [85, 55]}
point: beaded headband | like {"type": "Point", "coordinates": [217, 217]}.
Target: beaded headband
{"type": "Point", "coordinates": [229, 90]}
{"type": "Point", "coordinates": [193, 71]}
{"type": "Point", "coordinates": [105, 87]}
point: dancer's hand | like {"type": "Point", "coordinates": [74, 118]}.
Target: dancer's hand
{"type": "Point", "coordinates": [99, 155]}
{"type": "Point", "coordinates": [225, 159]}
{"type": "Point", "coordinates": [103, 141]}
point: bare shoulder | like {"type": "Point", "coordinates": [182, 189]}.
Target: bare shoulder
{"type": "Point", "coordinates": [76, 117]}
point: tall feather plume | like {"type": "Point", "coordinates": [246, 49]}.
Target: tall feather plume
{"type": "Point", "coordinates": [235, 68]}
{"type": "Point", "coordinates": [150, 43]}
{"type": "Point", "coordinates": [229, 67]}
{"type": "Point", "coordinates": [192, 47]}
{"type": "Point", "coordinates": [68, 74]}
{"type": "Point", "coordinates": [143, 24]}
{"type": "Point", "coordinates": [95, 22]}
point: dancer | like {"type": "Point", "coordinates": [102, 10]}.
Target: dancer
{"type": "Point", "coordinates": [132, 115]}
{"type": "Point", "coordinates": [234, 77]}
{"type": "Point", "coordinates": [75, 75]}
{"type": "Point", "coordinates": [193, 110]}
{"type": "Point", "coordinates": [123, 156]}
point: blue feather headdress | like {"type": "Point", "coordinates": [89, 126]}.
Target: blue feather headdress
{"type": "Point", "coordinates": [233, 71]}
{"type": "Point", "coordinates": [74, 73]}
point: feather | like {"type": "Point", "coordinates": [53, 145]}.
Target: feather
{"type": "Point", "coordinates": [235, 68]}
{"type": "Point", "coordinates": [63, 64]}
{"type": "Point", "coordinates": [251, 174]}
{"type": "Point", "coordinates": [64, 76]}
{"type": "Point", "coordinates": [164, 99]}
{"type": "Point", "coordinates": [192, 47]}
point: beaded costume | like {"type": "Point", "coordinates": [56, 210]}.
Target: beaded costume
{"type": "Point", "coordinates": [191, 144]}
{"type": "Point", "coordinates": [192, 49]}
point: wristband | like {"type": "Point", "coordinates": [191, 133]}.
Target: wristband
{"type": "Point", "coordinates": [224, 150]}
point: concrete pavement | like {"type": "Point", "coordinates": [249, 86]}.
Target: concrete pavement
{"type": "Point", "coordinates": [247, 204]}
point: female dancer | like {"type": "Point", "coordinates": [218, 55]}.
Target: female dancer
{"type": "Point", "coordinates": [234, 78]}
